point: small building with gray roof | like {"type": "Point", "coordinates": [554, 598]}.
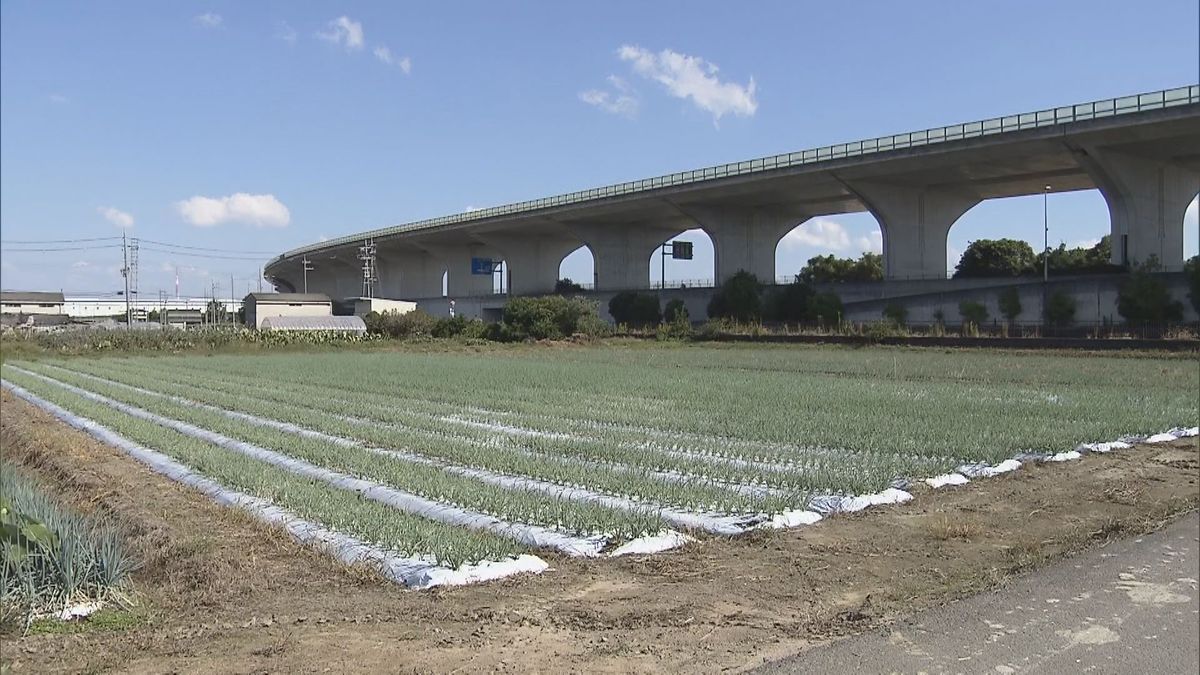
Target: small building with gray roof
{"type": "Point", "coordinates": [260, 306]}
{"type": "Point", "coordinates": [31, 302]}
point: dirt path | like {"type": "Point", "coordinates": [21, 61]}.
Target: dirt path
{"type": "Point", "coordinates": [223, 594]}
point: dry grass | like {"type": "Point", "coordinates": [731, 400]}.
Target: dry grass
{"type": "Point", "coordinates": [960, 527]}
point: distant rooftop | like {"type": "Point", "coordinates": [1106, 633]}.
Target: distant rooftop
{"type": "Point", "coordinates": [275, 298]}
{"type": "Point", "coordinates": [32, 297]}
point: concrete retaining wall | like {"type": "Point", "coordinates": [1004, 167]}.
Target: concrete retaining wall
{"type": "Point", "coordinates": [1095, 298]}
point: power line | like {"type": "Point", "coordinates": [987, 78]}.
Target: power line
{"type": "Point", "coordinates": [201, 255]}
{"type": "Point", "coordinates": [45, 246]}
{"type": "Point", "coordinates": [60, 248]}
{"type": "Point", "coordinates": [201, 248]}
{"type": "Point", "coordinates": [57, 241]}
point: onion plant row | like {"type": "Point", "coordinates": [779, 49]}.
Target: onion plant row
{"type": "Point", "coordinates": [604, 464]}
{"type": "Point", "coordinates": [424, 436]}
{"type": "Point", "coordinates": [970, 405]}
{"type": "Point", "coordinates": [339, 510]}
{"type": "Point", "coordinates": [52, 556]}
{"type": "Point", "coordinates": [688, 454]}
{"type": "Point", "coordinates": [513, 505]}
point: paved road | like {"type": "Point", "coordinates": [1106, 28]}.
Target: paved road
{"type": "Point", "coordinates": [1130, 607]}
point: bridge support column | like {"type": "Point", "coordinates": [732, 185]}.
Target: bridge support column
{"type": "Point", "coordinates": [745, 238]}
{"type": "Point", "coordinates": [621, 253]}
{"type": "Point", "coordinates": [1146, 201]}
{"type": "Point", "coordinates": [456, 260]}
{"type": "Point", "coordinates": [533, 261]}
{"type": "Point", "coordinates": [915, 221]}
{"type": "Point", "coordinates": [409, 275]}
{"type": "Point", "coordinates": [333, 277]}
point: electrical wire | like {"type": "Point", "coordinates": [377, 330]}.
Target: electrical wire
{"type": "Point", "coordinates": [199, 255]}
{"type": "Point", "coordinates": [201, 248]}
{"type": "Point", "coordinates": [60, 248]}
{"type": "Point", "coordinates": [56, 241]}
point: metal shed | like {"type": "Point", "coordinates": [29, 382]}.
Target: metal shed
{"type": "Point", "coordinates": [343, 324]}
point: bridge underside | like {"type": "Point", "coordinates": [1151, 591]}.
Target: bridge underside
{"type": "Point", "coordinates": [1146, 165]}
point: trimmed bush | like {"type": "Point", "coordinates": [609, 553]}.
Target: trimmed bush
{"type": "Point", "coordinates": [1010, 303]}
{"type": "Point", "coordinates": [552, 317]}
{"type": "Point", "coordinates": [896, 313]}
{"type": "Point", "coordinates": [675, 311]}
{"type": "Point", "coordinates": [393, 324]}
{"type": "Point", "coordinates": [973, 312]}
{"type": "Point", "coordinates": [739, 298]}
{"type": "Point", "coordinates": [1060, 309]}
{"type": "Point", "coordinates": [633, 309]}
{"type": "Point", "coordinates": [1145, 299]}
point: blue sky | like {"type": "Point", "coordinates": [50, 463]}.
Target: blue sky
{"type": "Point", "coordinates": [262, 126]}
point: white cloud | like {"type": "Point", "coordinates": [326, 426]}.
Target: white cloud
{"type": "Point", "coordinates": [257, 210]}
{"type": "Point", "coordinates": [691, 77]}
{"type": "Point", "coordinates": [59, 98]}
{"type": "Point", "coordinates": [385, 55]}
{"type": "Point", "coordinates": [622, 100]}
{"type": "Point", "coordinates": [116, 216]}
{"type": "Point", "coordinates": [818, 233]}
{"type": "Point", "coordinates": [1085, 243]}
{"type": "Point", "coordinates": [81, 265]}
{"type": "Point", "coordinates": [872, 243]}
{"type": "Point", "coordinates": [208, 20]}
{"type": "Point", "coordinates": [285, 32]}
{"type": "Point", "coordinates": [344, 31]}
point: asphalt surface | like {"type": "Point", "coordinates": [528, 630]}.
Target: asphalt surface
{"type": "Point", "coordinates": [1130, 607]}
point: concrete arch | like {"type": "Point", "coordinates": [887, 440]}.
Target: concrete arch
{"type": "Point", "coordinates": [1076, 218]}
{"type": "Point", "coordinates": [845, 235]}
{"type": "Point", "coordinates": [700, 271]}
{"type": "Point", "coordinates": [1191, 229]}
{"type": "Point", "coordinates": [579, 266]}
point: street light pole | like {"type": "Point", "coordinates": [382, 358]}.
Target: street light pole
{"type": "Point", "coordinates": [1045, 249]}
{"type": "Point", "coordinates": [1046, 234]}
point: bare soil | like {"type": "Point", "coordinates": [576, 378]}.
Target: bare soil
{"type": "Point", "coordinates": [221, 593]}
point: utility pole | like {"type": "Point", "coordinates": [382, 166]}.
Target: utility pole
{"type": "Point", "coordinates": [232, 298]}
{"type": "Point", "coordinates": [133, 272]}
{"type": "Point", "coordinates": [125, 273]}
{"type": "Point", "coordinates": [366, 253]}
{"type": "Point", "coordinates": [308, 266]}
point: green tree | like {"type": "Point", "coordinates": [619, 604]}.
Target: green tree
{"type": "Point", "coordinates": [739, 298]}
{"type": "Point", "coordinates": [995, 258]}
{"type": "Point", "coordinates": [1010, 303]}
{"type": "Point", "coordinates": [565, 286]}
{"type": "Point", "coordinates": [1060, 309]}
{"type": "Point", "coordinates": [634, 309]}
{"type": "Point", "coordinates": [1094, 260]}
{"type": "Point", "coordinates": [973, 312]}
{"type": "Point", "coordinates": [799, 301]}
{"type": "Point", "coordinates": [1144, 298]}
{"type": "Point", "coordinates": [1191, 268]}
{"type": "Point", "coordinates": [830, 268]}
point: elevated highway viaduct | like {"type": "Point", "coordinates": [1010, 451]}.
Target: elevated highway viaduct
{"type": "Point", "coordinates": [1141, 152]}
